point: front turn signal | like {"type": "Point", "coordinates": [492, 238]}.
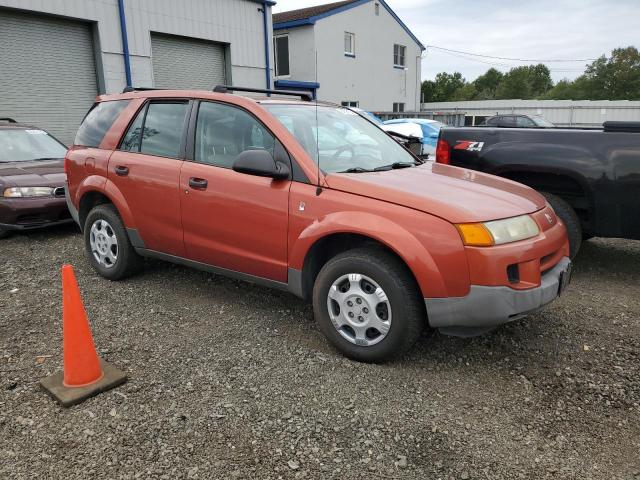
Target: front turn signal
{"type": "Point", "coordinates": [475, 235]}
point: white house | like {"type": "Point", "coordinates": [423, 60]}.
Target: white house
{"type": "Point", "coordinates": [354, 52]}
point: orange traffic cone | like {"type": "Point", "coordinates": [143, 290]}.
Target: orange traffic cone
{"type": "Point", "coordinates": [84, 374]}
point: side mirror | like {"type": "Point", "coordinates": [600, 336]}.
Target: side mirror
{"type": "Point", "coordinates": [261, 164]}
{"type": "Point", "coordinates": [434, 135]}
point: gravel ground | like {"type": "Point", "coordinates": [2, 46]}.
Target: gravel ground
{"type": "Point", "coordinates": [229, 380]}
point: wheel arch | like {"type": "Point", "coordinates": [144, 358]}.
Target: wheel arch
{"type": "Point", "coordinates": [322, 240]}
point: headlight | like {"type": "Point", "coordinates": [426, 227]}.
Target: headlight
{"type": "Point", "coordinates": [15, 192]}
{"type": "Point", "coordinates": [498, 232]}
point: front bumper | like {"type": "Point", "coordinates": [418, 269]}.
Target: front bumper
{"type": "Point", "coordinates": [32, 213]}
{"type": "Point", "coordinates": [486, 307]}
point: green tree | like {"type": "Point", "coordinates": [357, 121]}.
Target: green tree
{"type": "Point", "coordinates": [539, 79]}
{"type": "Point", "coordinates": [486, 85]}
{"type": "Point", "coordinates": [515, 84]}
{"type": "Point", "coordinates": [428, 90]}
{"type": "Point", "coordinates": [466, 92]}
{"type": "Point", "coordinates": [443, 87]}
{"type": "Point", "coordinates": [614, 78]}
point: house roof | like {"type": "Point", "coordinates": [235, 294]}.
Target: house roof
{"type": "Point", "coordinates": [304, 13]}
{"type": "Point", "coordinates": [309, 16]}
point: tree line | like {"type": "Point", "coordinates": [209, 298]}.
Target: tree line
{"type": "Point", "coordinates": [607, 78]}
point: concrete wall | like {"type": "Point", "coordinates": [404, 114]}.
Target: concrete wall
{"type": "Point", "coordinates": [370, 78]}
{"type": "Point", "coordinates": [564, 113]}
{"type": "Point", "coordinates": [238, 23]}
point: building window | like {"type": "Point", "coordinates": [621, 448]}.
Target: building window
{"type": "Point", "coordinates": [281, 52]}
{"type": "Point", "coordinates": [398, 55]}
{"type": "Point", "coordinates": [398, 107]}
{"type": "Point", "coordinates": [350, 103]}
{"type": "Point", "coordinates": [349, 44]}
{"type": "Point", "coordinates": [377, 7]}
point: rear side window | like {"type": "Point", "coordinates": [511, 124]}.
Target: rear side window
{"type": "Point", "coordinates": [157, 129]}
{"type": "Point", "coordinates": [98, 121]}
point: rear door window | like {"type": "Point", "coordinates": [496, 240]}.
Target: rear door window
{"type": "Point", "coordinates": [98, 121]}
{"type": "Point", "coordinates": [157, 130]}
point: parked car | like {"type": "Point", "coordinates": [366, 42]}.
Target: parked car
{"type": "Point", "coordinates": [517, 121]}
{"type": "Point", "coordinates": [371, 116]}
{"type": "Point", "coordinates": [31, 178]}
{"type": "Point", "coordinates": [425, 129]}
{"type": "Point", "coordinates": [381, 243]}
{"type": "Point", "coordinates": [590, 177]}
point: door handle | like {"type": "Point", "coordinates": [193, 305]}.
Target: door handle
{"type": "Point", "coordinates": [198, 183]}
{"type": "Point", "coordinates": [122, 171]}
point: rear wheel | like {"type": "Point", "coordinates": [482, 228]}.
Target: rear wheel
{"type": "Point", "coordinates": [368, 305]}
{"type": "Point", "coordinates": [570, 219]}
{"type": "Point", "coordinates": [107, 244]}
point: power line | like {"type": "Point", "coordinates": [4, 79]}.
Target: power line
{"type": "Point", "coordinates": [508, 65]}
{"type": "Point", "coordinates": [513, 59]}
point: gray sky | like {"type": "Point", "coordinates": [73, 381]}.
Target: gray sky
{"type": "Point", "coordinates": [535, 29]}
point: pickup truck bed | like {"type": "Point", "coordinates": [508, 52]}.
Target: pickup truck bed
{"type": "Point", "coordinates": [590, 177]}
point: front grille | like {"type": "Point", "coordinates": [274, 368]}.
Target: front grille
{"type": "Point", "coordinates": [58, 192]}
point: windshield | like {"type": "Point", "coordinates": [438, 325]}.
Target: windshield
{"type": "Point", "coordinates": [542, 122]}
{"type": "Point", "coordinates": [341, 139]}
{"type": "Point", "coordinates": [17, 145]}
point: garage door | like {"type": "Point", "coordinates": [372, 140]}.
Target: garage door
{"type": "Point", "coordinates": [180, 62]}
{"type": "Point", "coordinates": [47, 71]}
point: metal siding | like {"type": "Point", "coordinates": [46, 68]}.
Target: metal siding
{"type": "Point", "coordinates": [48, 71]}
{"type": "Point", "coordinates": [180, 62]}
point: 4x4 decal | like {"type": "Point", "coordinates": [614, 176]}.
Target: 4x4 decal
{"type": "Point", "coordinates": [468, 145]}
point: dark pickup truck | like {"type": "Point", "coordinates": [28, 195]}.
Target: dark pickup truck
{"type": "Point", "coordinates": [590, 177]}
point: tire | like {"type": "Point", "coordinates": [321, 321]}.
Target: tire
{"type": "Point", "coordinates": [117, 262]}
{"type": "Point", "coordinates": [570, 219]}
{"type": "Point", "coordinates": [4, 233]}
{"type": "Point", "coordinates": [403, 305]}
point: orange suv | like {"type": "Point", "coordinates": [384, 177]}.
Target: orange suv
{"type": "Point", "coordinates": [314, 199]}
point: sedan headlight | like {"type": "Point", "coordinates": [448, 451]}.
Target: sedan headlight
{"type": "Point", "coordinates": [21, 192]}
{"type": "Point", "coordinates": [498, 232]}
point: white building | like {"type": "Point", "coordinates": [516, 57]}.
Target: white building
{"type": "Point", "coordinates": [563, 113]}
{"type": "Point", "coordinates": [56, 56]}
{"type": "Point", "coordinates": [354, 52]}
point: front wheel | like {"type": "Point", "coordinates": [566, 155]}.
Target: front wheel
{"type": "Point", "coordinates": [367, 304]}
{"type": "Point", "coordinates": [107, 244]}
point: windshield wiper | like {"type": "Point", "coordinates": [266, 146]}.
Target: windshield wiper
{"type": "Point", "coordinates": [395, 165]}
{"type": "Point", "coordinates": [357, 170]}
{"type": "Point", "coordinates": [45, 158]}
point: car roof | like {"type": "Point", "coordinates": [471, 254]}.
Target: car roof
{"type": "Point", "coordinates": [201, 94]}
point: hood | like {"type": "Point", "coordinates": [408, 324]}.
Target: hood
{"type": "Point", "coordinates": [455, 194]}
{"type": "Point", "coordinates": [47, 173]}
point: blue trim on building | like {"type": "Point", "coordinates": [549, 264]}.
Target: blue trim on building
{"type": "Point", "coordinates": [313, 19]}
{"type": "Point", "coordinates": [297, 85]}
{"type": "Point", "coordinates": [125, 43]}
{"type": "Point", "coordinates": [267, 63]}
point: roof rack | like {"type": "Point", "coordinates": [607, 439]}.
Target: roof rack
{"type": "Point", "coordinates": [228, 88]}
{"type": "Point", "coordinates": [139, 89]}
{"type": "Point", "coordinates": [8, 120]}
